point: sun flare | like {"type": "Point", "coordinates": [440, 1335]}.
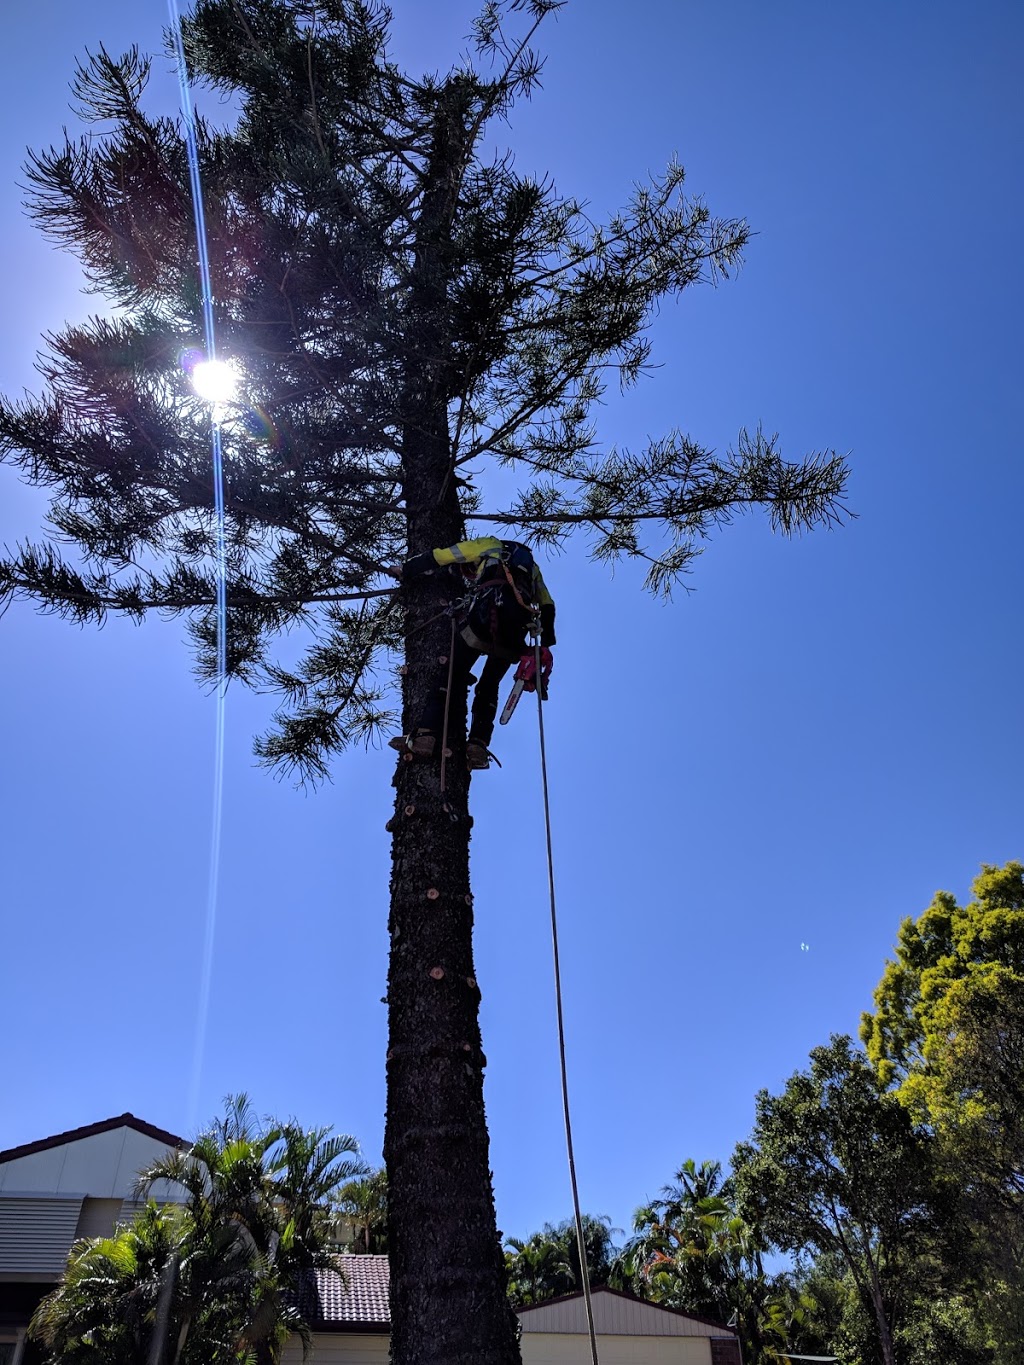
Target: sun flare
{"type": "Point", "coordinates": [215, 380]}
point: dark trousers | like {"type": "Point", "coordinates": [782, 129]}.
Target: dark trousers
{"type": "Point", "coordinates": [485, 698]}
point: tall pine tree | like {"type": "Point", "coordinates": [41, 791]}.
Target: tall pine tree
{"type": "Point", "coordinates": [404, 309]}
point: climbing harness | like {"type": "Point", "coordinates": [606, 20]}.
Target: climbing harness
{"type": "Point", "coordinates": [461, 611]}
{"type": "Point", "coordinates": [580, 1238]}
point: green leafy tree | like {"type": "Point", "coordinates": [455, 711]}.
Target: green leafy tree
{"type": "Point", "coordinates": [938, 1324]}
{"type": "Point", "coordinates": [217, 1279]}
{"type": "Point", "coordinates": [948, 1024]}
{"type": "Point", "coordinates": [824, 1292]}
{"type": "Point", "coordinates": [405, 311]}
{"type": "Point", "coordinates": [548, 1263]}
{"type": "Point", "coordinates": [947, 1328]}
{"type": "Point", "coordinates": [835, 1165]}
{"type": "Point", "coordinates": [948, 1033]}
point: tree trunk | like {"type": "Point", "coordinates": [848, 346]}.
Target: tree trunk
{"type": "Point", "coordinates": [881, 1316]}
{"type": "Point", "coordinates": [448, 1299]}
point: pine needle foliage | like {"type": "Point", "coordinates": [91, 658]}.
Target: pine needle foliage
{"type": "Point", "coordinates": [408, 315]}
{"type": "Point", "coordinates": [316, 199]}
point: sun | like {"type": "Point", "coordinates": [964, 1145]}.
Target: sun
{"type": "Point", "coordinates": [215, 380]}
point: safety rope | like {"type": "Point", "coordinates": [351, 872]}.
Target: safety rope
{"type": "Point", "coordinates": [447, 705]}
{"type": "Point", "coordinates": [580, 1239]}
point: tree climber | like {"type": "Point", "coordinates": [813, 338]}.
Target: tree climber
{"type": "Point", "coordinates": [500, 594]}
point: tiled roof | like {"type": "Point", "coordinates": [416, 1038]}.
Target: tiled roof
{"type": "Point", "coordinates": [352, 1298]}
{"type": "Point", "coordinates": [91, 1130]}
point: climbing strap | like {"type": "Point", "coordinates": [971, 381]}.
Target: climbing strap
{"type": "Point", "coordinates": [526, 606]}
{"type": "Point", "coordinates": [580, 1239]}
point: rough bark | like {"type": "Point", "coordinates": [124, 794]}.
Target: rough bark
{"type": "Point", "coordinates": [881, 1316]}
{"type": "Point", "coordinates": [449, 1305]}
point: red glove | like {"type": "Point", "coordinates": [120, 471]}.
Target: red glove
{"type": "Point", "coordinates": [527, 669]}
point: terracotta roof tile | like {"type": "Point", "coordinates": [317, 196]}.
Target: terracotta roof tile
{"type": "Point", "coordinates": [352, 1297]}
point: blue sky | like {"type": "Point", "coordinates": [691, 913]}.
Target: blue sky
{"type": "Point", "coordinates": [800, 752]}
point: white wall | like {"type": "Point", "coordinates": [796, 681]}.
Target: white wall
{"type": "Point", "coordinates": [339, 1348]}
{"type": "Point", "coordinates": [538, 1348]}
{"type": "Point", "coordinates": [560, 1348]}
{"type": "Point", "coordinates": [104, 1166]}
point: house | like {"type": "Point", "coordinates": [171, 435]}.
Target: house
{"type": "Point", "coordinates": [80, 1183]}
{"type": "Point", "coordinates": [70, 1185]}
{"type": "Point", "coordinates": [348, 1313]}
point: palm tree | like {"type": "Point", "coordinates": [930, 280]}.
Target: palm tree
{"type": "Point", "coordinates": [214, 1280]}
{"type": "Point", "coordinates": [691, 1250]}
{"type": "Point", "coordinates": [309, 1168]}
{"type": "Point", "coordinates": [548, 1263]}
{"type": "Point", "coordinates": [537, 1270]}
{"type": "Point", "coordinates": [235, 1231]}
{"type": "Point", "coordinates": [678, 1239]}
{"type": "Point", "coordinates": [364, 1204]}
{"type": "Point", "coordinates": [105, 1305]}
{"type": "Point", "coordinates": [261, 1195]}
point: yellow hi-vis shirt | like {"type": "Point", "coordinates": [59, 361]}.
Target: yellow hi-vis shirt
{"type": "Point", "coordinates": [483, 556]}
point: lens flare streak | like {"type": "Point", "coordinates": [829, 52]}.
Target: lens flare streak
{"type": "Point", "coordinates": [206, 287]}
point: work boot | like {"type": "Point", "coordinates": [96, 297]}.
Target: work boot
{"type": "Point", "coordinates": [421, 744]}
{"type": "Point", "coordinates": [477, 754]}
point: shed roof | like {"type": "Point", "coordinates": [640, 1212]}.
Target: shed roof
{"type": "Point", "coordinates": [617, 1313]}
